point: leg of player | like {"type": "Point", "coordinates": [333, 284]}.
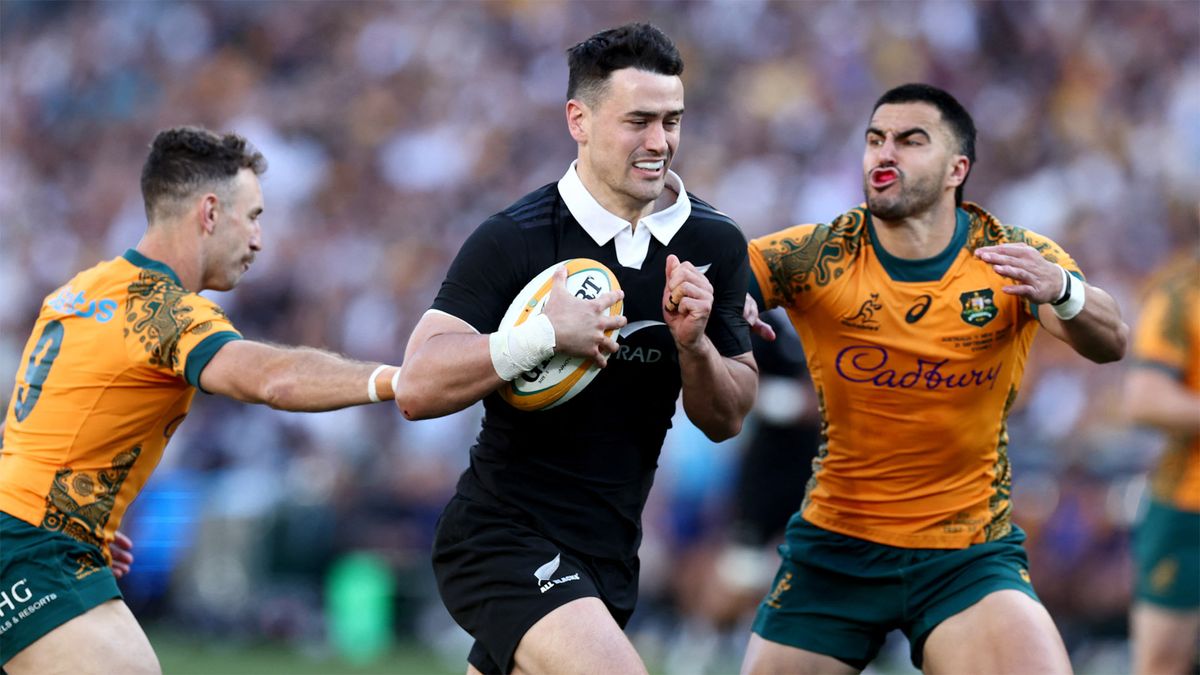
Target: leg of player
{"type": "Point", "coordinates": [1005, 632]}
{"type": "Point", "coordinates": [764, 657]}
{"type": "Point", "coordinates": [578, 637]}
{"type": "Point", "coordinates": [105, 639]}
{"type": "Point", "coordinates": [1164, 640]}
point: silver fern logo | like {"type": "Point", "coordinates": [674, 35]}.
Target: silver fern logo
{"type": "Point", "coordinates": [546, 571]}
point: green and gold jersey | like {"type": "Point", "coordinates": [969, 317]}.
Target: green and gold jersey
{"type": "Point", "coordinates": [105, 379]}
{"type": "Point", "coordinates": [916, 365]}
{"type": "Point", "coordinates": [1168, 337]}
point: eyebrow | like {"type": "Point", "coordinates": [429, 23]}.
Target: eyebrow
{"type": "Point", "coordinates": [901, 135]}
{"type": "Point", "coordinates": [655, 113]}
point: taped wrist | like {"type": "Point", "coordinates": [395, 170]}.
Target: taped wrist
{"type": "Point", "coordinates": [1070, 303]}
{"type": "Point", "coordinates": [521, 348]}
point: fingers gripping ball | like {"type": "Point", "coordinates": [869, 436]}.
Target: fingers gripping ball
{"type": "Point", "coordinates": [559, 378]}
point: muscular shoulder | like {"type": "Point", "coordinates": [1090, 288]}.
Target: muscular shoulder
{"type": "Point", "coordinates": [987, 230]}
{"type": "Point", "coordinates": [539, 208]}
{"type": "Point", "coordinates": [712, 221]}
{"type": "Point", "coordinates": [802, 257]}
{"type": "Point", "coordinates": [159, 312]}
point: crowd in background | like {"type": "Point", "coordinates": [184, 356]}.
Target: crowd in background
{"type": "Point", "coordinates": [393, 129]}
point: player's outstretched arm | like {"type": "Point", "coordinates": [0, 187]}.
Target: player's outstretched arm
{"type": "Point", "coordinates": [300, 379]}
{"type": "Point", "coordinates": [718, 391]}
{"type": "Point", "coordinates": [448, 366]}
{"type": "Point", "coordinates": [1155, 398]}
{"type": "Point", "coordinates": [1094, 330]}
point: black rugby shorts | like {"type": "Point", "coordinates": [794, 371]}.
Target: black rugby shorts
{"type": "Point", "coordinates": [497, 575]}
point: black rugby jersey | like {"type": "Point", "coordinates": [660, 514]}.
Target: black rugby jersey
{"type": "Point", "coordinates": [580, 473]}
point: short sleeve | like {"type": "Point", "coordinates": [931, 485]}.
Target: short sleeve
{"type": "Point", "coordinates": [1052, 252]}
{"type": "Point", "coordinates": [781, 263]}
{"type": "Point", "coordinates": [206, 329]}
{"type": "Point", "coordinates": [1160, 339]}
{"type": "Point", "coordinates": [488, 272]}
{"type": "Point", "coordinates": [727, 327]}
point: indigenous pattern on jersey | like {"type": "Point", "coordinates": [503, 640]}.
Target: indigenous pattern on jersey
{"type": "Point", "coordinates": [1168, 337]}
{"type": "Point", "coordinates": [582, 471]}
{"type": "Point", "coordinates": [106, 377]}
{"type": "Point", "coordinates": [916, 364]}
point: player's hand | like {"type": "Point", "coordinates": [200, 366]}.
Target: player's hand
{"type": "Point", "coordinates": [1034, 277]}
{"type": "Point", "coordinates": [580, 324]}
{"type": "Point", "coordinates": [757, 326]}
{"type": "Point", "coordinates": [687, 302]}
{"type": "Point", "coordinates": [121, 549]}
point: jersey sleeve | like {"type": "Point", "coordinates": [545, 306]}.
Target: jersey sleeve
{"type": "Point", "coordinates": [488, 272]}
{"type": "Point", "coordinates": [1052, 252]}
{"type": "Point", "coordinates": [1160, 339]}
{"type": "Point", "coordinates": [727, 327]}
{"type": "Point", "coordinates": [206, 329]}
{"type": "Point", "coordinates": [781, 263]}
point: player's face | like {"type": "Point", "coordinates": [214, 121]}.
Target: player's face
{"type": "Point", "coordinates": [908, 161]}
{"type": "Point", "coordinates": [632, 133]}
{"type": "Point", "coordinates": [237, 237]}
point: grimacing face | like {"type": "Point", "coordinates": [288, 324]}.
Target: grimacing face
{"type": "Point", "coordinates": [908, 161]}
{"type": "Point", "coordinates": [237, 237]}
{"type": "Point", "coordinates": [632, 133]}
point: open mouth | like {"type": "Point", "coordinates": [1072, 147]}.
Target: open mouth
{"type": "Point", "coordinates": [882, 178]}
{"type": "Point", "coordinates": [650, 168]}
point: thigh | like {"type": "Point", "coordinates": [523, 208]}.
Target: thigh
{"type": "Point", "coordinates": [579, 637]}
{"type": "Point", "coordinates": [1163, 640]}
{"type": "Point", "coordinates": [1166, 552]}
{"type": "Point", "coordinates": [105, 639]}
{"type": "Point", "coordinates": [1005, 632]}
{"type": "Point", "coordinates": [764, 657]}
{"type": "Point", "coordinates": [945, 583]}
{"type": "Point", "coordinates": [815, 606]}
{"type": "Point", "coordinates": [500, 578]}
{"type": "Point", "coordinates": [46, 580]}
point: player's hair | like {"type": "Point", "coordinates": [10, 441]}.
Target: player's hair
{"type": "Point", "coordinates": [634, 45]}
{"type": "Point", "coordinates": [953, 112]}
{"type": "Point", "coordinates": [185, 159]}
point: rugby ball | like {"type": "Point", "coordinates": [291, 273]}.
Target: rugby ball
{"type": "Point", "coordinates": [559, 378]}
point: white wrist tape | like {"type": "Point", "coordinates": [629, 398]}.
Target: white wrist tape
{"type": "Point", "coordinates": [395, 381]}
{"type": "Point", "coordinates": [371, 393]}
{"type": "Point", "coordinates": [1072, 303]}
{"type": "Point", "coordinates": [521, 348]}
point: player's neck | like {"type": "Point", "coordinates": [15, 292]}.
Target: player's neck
{"type": "Point", "coordinates": [919, 236]}
{"type": "Point", "coordinates": [158, 244]}
{"type": "Point", "coordinates": [622, 206]}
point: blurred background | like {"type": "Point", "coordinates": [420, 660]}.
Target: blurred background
{"type": "Point", "coordinates": [277, 542]}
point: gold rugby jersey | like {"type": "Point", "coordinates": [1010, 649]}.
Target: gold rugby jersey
{"type": "Point", "coordinates": [105, 379]}
{"type": "Point", "coordinates": [916, 365]}
{"type": "Point", "coordinates": [1168, 337]}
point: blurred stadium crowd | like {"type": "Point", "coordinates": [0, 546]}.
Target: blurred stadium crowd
{"type": "Point", "coordinates": [393, 129]}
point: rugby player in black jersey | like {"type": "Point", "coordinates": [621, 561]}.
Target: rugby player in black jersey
{"type": "Point", "coordinates": [536, 554]}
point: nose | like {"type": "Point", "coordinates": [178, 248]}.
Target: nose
{"type": "Point", "coordinates": [256, 238]}
{"type": "Point", "coordinates": [886, 152]}
{"type": "Point", "coordinates": [656, 138]}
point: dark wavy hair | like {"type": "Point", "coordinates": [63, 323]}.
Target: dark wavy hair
{"type": "Point", "coordinates": [634, 45]}
{"type": "Point", "coordinates": [184, 160]}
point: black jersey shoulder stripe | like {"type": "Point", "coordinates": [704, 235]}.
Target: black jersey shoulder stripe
{"type": "Point", "coordinates": [702, 209]}
{"type": "Point", "coordinates": [544, 196]}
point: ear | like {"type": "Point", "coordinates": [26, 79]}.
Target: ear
{"type": "Point", "coordinates": [959, 168]}
{"type": "Point", "coordinates": [210, 207]}
{"type": "Point", "coordinates": [578, 116]}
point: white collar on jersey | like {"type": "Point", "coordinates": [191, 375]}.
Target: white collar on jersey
{"type": "Point", "coordinates": [632, 245]}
